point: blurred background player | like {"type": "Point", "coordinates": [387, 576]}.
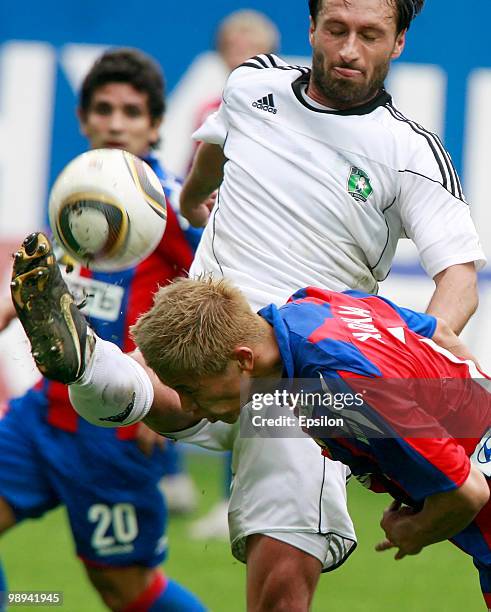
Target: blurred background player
{"type": "Point", "coordinates": [108, 127]}
{"type": "Point", "coordinates": [239, 36]}
{"type": "Point", "coordinates": [107, 479]}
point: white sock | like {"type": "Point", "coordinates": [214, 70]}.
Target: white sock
{"type": "Point", "coordinates": [114, 390]}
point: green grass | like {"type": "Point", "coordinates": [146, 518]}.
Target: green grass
{"type": "Point", "coordinates": [38, 555]}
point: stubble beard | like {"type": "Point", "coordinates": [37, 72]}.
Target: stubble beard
{"type": "Point", "coordinates": [343, 93]}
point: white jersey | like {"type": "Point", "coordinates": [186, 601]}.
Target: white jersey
{"type": "Point", "coordinates": [313, 196]}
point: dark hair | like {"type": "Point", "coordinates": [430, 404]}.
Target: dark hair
{"type": "Point", "coordinates": [406, 11]}
{"type": "Point", "coordinates": [126, 66]}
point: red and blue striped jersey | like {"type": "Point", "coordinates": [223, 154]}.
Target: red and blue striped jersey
{"type": "Point", "coordinates": [420, 415]}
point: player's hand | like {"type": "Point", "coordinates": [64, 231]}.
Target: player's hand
{"type": "Point", "coordinates": [147, 439]}
{"type": "Point", "coordinates": [447, 339]}
{"type": "Point", "coordinates": [401, 529]}
{"type": "Point", "coordinates": [198, 216]}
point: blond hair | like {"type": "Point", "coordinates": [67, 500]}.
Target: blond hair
{"type": "Point", "coordinates": [193, 327]}
{"type": "Point", "coordinates": [256, 24]}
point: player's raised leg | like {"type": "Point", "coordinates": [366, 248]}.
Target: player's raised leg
{"type": "Point", "coordinates": [123, 567]}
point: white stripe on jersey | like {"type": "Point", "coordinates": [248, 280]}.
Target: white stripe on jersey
{"type": "Point", "coordinates": [473, 371]}
{"type": "Point", "coordinates": [269, 60]}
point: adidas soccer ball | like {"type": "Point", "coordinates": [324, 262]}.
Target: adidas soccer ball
{"type": "Point", "coordinates": [107, 209]}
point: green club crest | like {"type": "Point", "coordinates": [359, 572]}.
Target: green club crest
{"type": "Point", "coordinates": [359, 185]}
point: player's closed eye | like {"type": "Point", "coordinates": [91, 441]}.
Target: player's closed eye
{"type": "Point", "coordinates": [337, 32]}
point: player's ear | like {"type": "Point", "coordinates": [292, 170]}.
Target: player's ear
{"type": "Point", "coordinates": [311, 31]}
{"type": "Point", "coordinates": [399, 45]}
{"type": "Point", "coordinates": [244, 356]}
{"type": "Point", "coordinates": [155, 130]}
{"type": "Point", "coordinates": [82, 120]}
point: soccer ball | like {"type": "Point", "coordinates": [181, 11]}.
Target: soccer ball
{"type": "Point", "coordinates": [107, 209]}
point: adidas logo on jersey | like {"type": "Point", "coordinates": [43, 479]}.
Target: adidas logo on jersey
{"type": "Point", "coordinates": [266, 104]}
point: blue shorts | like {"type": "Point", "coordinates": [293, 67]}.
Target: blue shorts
{"type": "Point", "coordinates": [110, 488]}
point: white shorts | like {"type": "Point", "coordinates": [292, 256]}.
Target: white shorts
{"type": "Point", "coordinates": [283, 488]}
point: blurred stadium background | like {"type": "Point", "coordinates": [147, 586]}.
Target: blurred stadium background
{"type": "Point", "coordinates": [443, 81]}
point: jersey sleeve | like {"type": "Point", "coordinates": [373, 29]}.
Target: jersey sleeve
{"type": "Point", "coordinates": [214, 130]}
{"type": "Point", "coordinates": [434, 212]}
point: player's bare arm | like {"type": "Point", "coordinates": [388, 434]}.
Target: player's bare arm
{"type": "Point", "coordinates": [203, 180]}
{"type": "Point", "coordinates": [443, 516]}
{"type": "Point", "coordinates": [455, 298]}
